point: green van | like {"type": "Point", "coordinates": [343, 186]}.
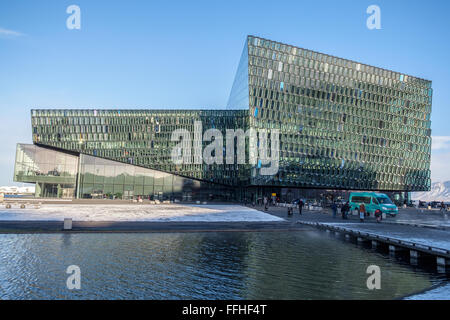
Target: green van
{"type": "Point", "coordinates": [373, 201]}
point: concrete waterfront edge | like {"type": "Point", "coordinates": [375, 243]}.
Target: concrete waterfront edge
{"type": "Point", "coordinates": [416, 250]}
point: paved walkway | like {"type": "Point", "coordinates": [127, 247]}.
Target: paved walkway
{"type": "Point", "coordinates": [425, 237]}
{"type": "Point", "coordinates": [424, 218]}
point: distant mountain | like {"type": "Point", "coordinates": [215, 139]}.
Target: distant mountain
{"type": "Point", "coordinates": [440, 191]}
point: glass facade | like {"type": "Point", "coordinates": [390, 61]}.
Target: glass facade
{"type": "Point", "coordinates": [101, 178]}
{"type": "Point", "coordinates": [239, 98]}
{"type": "Point", "coordinates": [55, 173]}
{"type": "Point", "coordinates": [61, 175]}
{"type": "Point", "coordinates": [139, 137]}
{"type": "Point", "coordinates": [342, 125]}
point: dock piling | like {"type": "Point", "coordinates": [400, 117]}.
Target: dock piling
{"type": "Point", "coordinates": [414, 257]}
{"type": "Point", "coordinates": [442, 262]}
{"type": "Point", "coordinates": [360, 240]}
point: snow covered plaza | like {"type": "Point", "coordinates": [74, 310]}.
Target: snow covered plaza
{"type": "Point", "coordinates": [123, 212]}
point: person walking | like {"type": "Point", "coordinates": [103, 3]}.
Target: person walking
{"type": "Point", "coordinates": [378, 215]}
{"type": "Point", "coordinates": [290, 209]}
{"type": "Point", "coordinates": [266, 202]}
{"type": "Point", "coordinates": [334, 209]}
{"type": "Point", "coordinates": [300, 206]}
{"type": "Point", "coordinates": [344, 207]}
{"type": "Point", "coordinates": [362, 212]}
{"type": "Point", "coordinates": [442, 206]}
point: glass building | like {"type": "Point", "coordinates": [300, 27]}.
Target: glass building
{"type": "Point", "coordinates": [342, 124]}
{"type": "Point", "coordinates": [54, 173]}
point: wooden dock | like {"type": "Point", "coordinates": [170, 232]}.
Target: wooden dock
{"type": "Point", "coordinates": [417, 251]}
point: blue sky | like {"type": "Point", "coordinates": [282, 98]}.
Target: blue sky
{"type": "Point", "coordinates": [168, 54]}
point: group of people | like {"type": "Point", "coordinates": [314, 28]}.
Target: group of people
{"type": "Point", "coordinates": [299, 205]}
{"type": "Point", "coordinates": [345, 209]}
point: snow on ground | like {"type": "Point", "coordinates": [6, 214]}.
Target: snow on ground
{"type": "Point", "coordinates": [438, 222]}
{"type": "Point", "coordinates": [428, 223]}
{"type": "Point", "coordinates": [432, 238]}
{"type": "Point", "coordinates": [138, 212]}
{"type": "Point", "coordinates": [439, 293]}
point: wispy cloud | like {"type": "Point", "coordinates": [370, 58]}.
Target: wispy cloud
{"type": "Point", "coordinates": [440, 142]}
{"type": "Point", "coordinates": [9, 33]}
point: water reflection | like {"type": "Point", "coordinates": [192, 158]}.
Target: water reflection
{"type": "Point", "coordinates": [238, 265]}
